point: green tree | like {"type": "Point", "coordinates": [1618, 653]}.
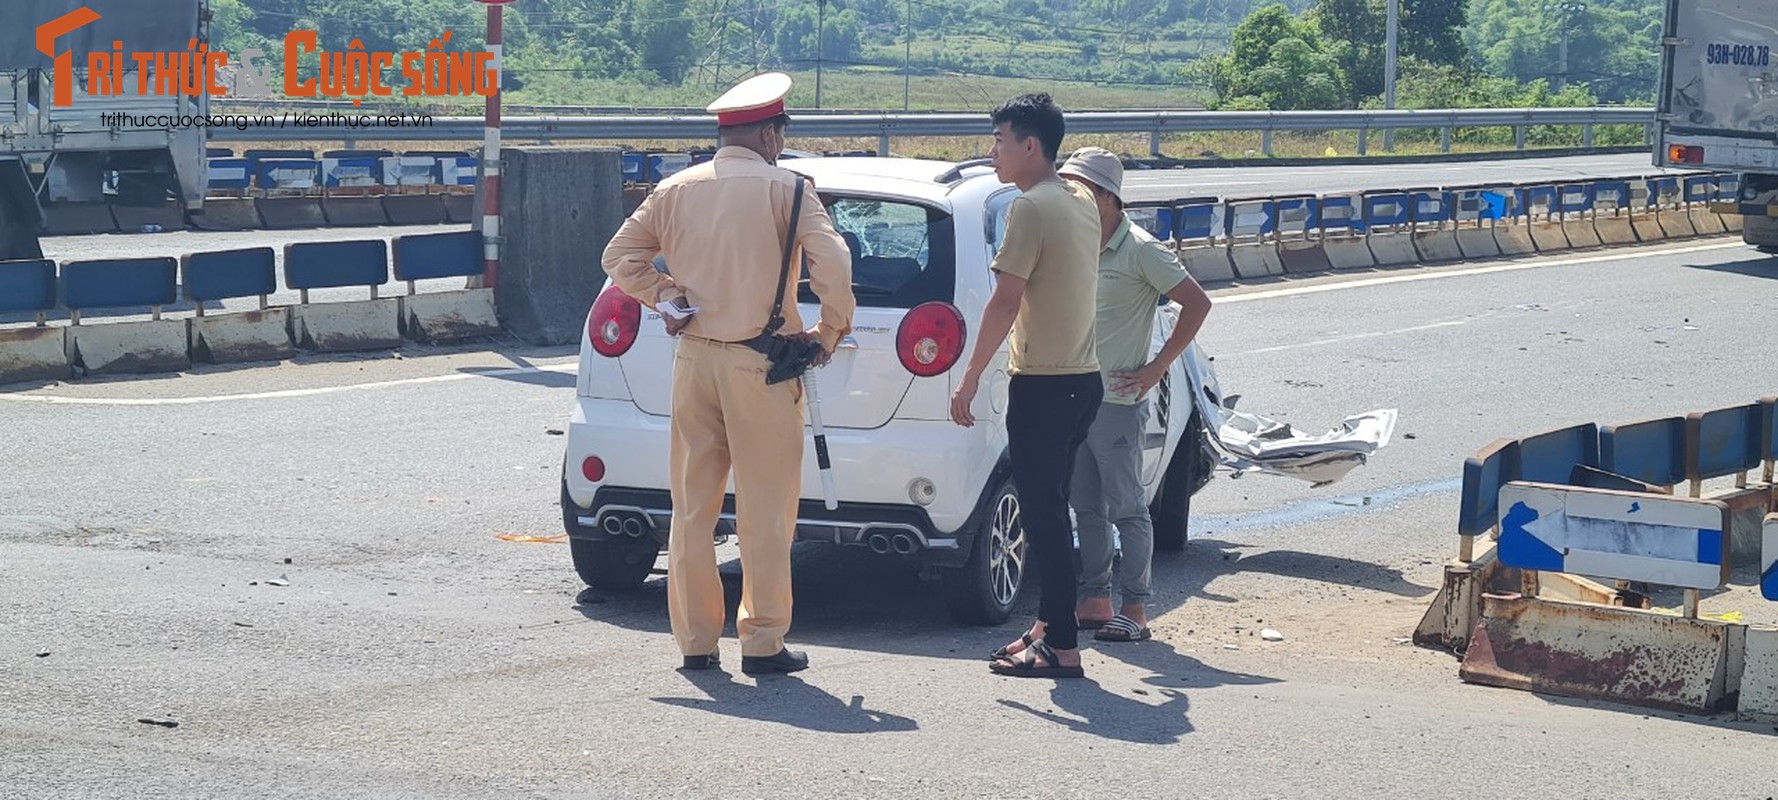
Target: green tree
{"type": "Point", "coordinates": [1277, 57]}
{"type": "Point", "coordinates": [1355, 32]}
{"type": "Point", "coordinates": [665, 44]}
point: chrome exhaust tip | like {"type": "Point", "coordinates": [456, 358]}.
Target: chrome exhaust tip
{"type": "Point", "coordinates": [879, 544]}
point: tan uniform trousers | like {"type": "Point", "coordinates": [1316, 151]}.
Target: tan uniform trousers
{"type": "Point", "coordinates": [724, 415]}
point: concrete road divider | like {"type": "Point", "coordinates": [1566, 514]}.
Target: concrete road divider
{"type": "Point", "coordinates": [460, 209]}
{"type": "Point", "coordinates": [373, 324]}
{"type": "Point", "coordinates": [414, 209]}
{"type": "Point", "coordinates": [347, 327]}
{"type": "Point", "coordinates": [449, 316]}
{"type": "Point", "coordinates": [1348, 252]}
{"type": "Point", "coordinates": [1437, 246]}
{"type": "Point", "coordinates": [241, 336]}
{"type": "Point", "coordinates": [1597, 652]}
{"type": "Point", "coordinates": [1394, 249]}
{"type": "Point", "coordinates": [285, 213]}
{"type": "Point", "coordinates": [1676, 223]}
{"type": "Point", "coordinates": [1207, 263]}
{"type": "Point", "coordinates": [1759, 675]}
{"type": "Point", "coordinates": [1647, 226]}
{"type": "Point", "coordinates": [1706, 222]}
{"type": "Point", "coordinates": [78, 219]}
{"type": "Point", "coordinates": [34, 354]}
{"type": "Point", "coordinates": [168, 216]}
{"type": "Point", "coordinates": [262, 335]}
{"type": "Point", "coordinates": [444, 316]}
{"type": "Point", "coordinates": [1580, 232]}
{"type": "Point", "coordinates": [1616, 229]}
{"type": "Point", "coordinates": [228, 214]}
{"type": "Point", "coordinates": [1303, 257]}
{"type": "Point", "coordinates": [129, 347]}
{"type": "Point", "coordinates": [354, 212]}
{"type": "Point", "coordinates": [1477, 242]}
{"type": "Point", "coordinates": [1514, 240]}
{"type": "Point", "coordinates": [1549, 235]}
{"type": "Point", "coordinates": [558, 208]}
{"type": "Point", "coordinates": [156, 345]}
{"type": "Point", "coordinates": [1256, 260]}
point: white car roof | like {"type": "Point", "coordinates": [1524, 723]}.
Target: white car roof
{"type": "Point", "coordinates": [906, 177]}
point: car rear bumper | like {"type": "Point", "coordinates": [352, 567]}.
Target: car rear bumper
{"type": "Point", "coordinates": [872, 469]}
{"type": "Point", "coordinates": [618, 512]}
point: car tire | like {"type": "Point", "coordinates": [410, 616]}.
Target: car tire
{"type": "Point", "coordinates": [609, 564]}
{"type": "Point", "coordinates": [984, 590]}
{"type": "Point", "coordinates": [1170, 513]}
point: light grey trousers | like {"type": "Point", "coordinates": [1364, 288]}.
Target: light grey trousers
{"type": "Point", "coordinates": [1107, 492]}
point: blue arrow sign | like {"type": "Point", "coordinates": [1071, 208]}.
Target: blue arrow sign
{"type": "Point", "coordinates": [1670, 541]}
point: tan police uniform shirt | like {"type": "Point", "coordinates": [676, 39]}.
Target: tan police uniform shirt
{"type": "Point", "coordinates": [1052, 241]}
{"type": "Point", "coordinates": [720, 226]}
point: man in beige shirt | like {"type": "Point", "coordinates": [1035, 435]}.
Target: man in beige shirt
{"type": "Point", "coordinates": [721, 226]}
{"type": "Point", "coordinates": [1045, 279]}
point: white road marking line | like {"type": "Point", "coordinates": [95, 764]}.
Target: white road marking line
{"type": "Point", "coordinates": [1436, 274]}
{"type": "Point", "coordinates": [570, 367]}
{"type": "Point", "coordinates": [1351, 336]}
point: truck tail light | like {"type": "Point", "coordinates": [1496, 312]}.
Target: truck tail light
{"type": "Point", "coordinates": [1685, 154]}
{"type": "Point", "coordinates": [930, 338]}
{"type": "Point", "coordinates": [613, 323]}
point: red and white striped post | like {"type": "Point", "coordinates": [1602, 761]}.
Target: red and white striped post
{"type": "Point", "coordinates": [491, 158]}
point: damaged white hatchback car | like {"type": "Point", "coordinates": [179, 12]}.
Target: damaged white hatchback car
{"type": "Point", "coordinates": [910, 484]}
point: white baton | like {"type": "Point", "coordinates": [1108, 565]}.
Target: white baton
{"type": "Point", "coordinates": [820, 440]}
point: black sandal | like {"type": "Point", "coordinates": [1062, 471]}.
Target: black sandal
{"type": "Point", "coordinates": [1024, 638]}
{"type": "Point", "coordinates": [1029, 668]}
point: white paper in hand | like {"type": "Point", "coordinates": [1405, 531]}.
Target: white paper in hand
{"type": "Point", "coordinates": [677, 313]}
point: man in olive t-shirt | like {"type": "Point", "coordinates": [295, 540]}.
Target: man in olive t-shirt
{"type": "Point", "coordinates": [1043, 295]}
{"type": "Point", "coordinates": [1135, 271]}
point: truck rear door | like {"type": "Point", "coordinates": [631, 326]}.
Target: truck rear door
{"type": "Point", "coordinates": [1720, 77]}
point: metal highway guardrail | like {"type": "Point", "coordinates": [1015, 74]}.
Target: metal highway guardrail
{"type": "Point", "coordinates": [887, 126]}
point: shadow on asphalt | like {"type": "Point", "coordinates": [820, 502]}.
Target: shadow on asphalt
{"type": "Point", "coordinates": [849, 598]}
{"type": "Point", "coordinates": [1155, 715]}
{"type": "Point", "coordinates": [549, 380]}
{"type": "Point", "coordinates": [853, 599]}
{"type": "Point", "coordinates": [786, 700]}
{"type": "Point", "coordinates": [1757, 265]}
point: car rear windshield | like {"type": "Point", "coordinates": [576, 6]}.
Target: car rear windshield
{"type": "Point", "coordinates": [903, 254]}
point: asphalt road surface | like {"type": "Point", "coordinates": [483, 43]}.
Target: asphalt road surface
{"type": "Point", "coordinates": [299, 565]}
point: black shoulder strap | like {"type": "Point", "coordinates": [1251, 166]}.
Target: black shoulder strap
{"type": "Point", "coordinates": [796, 212]}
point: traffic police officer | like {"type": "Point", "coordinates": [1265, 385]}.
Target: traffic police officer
{"type": "Point", "coordinates": [721, 226]}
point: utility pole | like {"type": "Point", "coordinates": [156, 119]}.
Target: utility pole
{"type": "Point", "coordinates": [1389, 70]}
{"type": "Point", "coordinates": [1567, 10]}
{"type": "Point", "coordinates": [820, 35]}
{"type": "Point", "coordinates": [907, 58]}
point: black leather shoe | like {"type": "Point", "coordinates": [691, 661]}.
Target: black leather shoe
{"type": "Point", "coordinates": [711, 661]}
{"type": "Point", "coordinates": [784, 661]}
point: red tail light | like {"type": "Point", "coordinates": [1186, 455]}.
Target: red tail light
{"type": "Point", "coordinates": [613, 323]}
{"type": "Point", "coordinates": [930, 339]}
{"type": "Point", "coordinates": [1685, 154]}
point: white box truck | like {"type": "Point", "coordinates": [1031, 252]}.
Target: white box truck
{"type": "Point", "coordinates": [1718, 106]}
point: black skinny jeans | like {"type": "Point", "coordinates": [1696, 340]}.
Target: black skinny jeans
{"type": "Point", "coordinates": [1047, 417]}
